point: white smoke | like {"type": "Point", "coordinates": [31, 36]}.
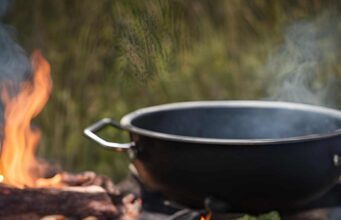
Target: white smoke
{"type": "Point", "coordinates": [14, 62]}
{"type": "Point", "coordinates": [299, 65]}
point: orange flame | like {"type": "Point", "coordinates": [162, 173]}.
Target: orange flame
{"type": "Point", "coordinates": [18, 165]}
{"type": "Point", "coordinates": [207, 217]}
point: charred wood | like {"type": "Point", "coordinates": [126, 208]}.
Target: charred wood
{"type": "Point", "coordinates": [78, 202]}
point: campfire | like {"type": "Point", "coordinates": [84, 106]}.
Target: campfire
{"type": "Point", "coordinates": [31, 188]}
{"type": "Point", "coordinates": [205, 160]}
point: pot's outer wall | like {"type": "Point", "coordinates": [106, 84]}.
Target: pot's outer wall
{"type": "Point", "coordinates": [254, 179]}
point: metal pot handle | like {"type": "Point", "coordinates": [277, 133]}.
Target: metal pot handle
{"type": "Point", "coordinates": [97, 126]}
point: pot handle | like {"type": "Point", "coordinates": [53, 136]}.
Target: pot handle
{"type": "Point", "coordinates": [97, 126]}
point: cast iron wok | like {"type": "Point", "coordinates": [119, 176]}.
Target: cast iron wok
{"type": "Point", "coordinates": [254, 156]}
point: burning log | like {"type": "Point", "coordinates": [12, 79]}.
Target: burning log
{"type": "Point", "coordinates": [82, 195]}
{"type": "Point", "coordinates": [78, 202]}
{"type": "Point", "coordinates": [29, 186]}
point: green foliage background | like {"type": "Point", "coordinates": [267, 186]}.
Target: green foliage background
{"type": "Point", "coordinates": [110, 57]}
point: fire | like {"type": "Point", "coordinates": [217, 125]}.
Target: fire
{"type": "Point", "coordinates": [18, 164]}
{"type": "Point", "coordinates": [206, 217]}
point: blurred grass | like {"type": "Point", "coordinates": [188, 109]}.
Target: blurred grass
{"type": "Point", "coordinates": [267, 216]}
{"type": "Point", "coordinates": [111, 57]}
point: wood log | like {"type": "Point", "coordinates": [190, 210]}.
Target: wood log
{"type": "Point", "coordinates": [89, 178]}
{"type": "Point", "coordinates": [77, 202]}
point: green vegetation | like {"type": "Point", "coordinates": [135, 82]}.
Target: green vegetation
{"type": "Point", "coordinates": [268, 216]}
{"type": "Point", "coordinates": [111, 57]}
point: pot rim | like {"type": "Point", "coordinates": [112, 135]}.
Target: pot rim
{"type": "Point", "coordinates": [126, 121]}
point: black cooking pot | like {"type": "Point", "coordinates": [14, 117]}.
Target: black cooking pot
{"type": "Point", "coordinates": [255, 156]}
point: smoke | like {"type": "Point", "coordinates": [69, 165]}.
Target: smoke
{"type": "Point", "coordinates": [301, 66]}
{"type": "Point", "coordinates": [3, 7]}
{"type": "Point", "coordinates": [14, 63]}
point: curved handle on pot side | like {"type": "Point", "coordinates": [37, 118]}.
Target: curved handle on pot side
{"type": "Point", "coordinates": [97, 126]}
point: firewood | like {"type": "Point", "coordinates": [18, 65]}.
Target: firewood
{"type": "Point", "coordinates": [77, 202]}
{"type": "Point", "coordinates": [89, 178]}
